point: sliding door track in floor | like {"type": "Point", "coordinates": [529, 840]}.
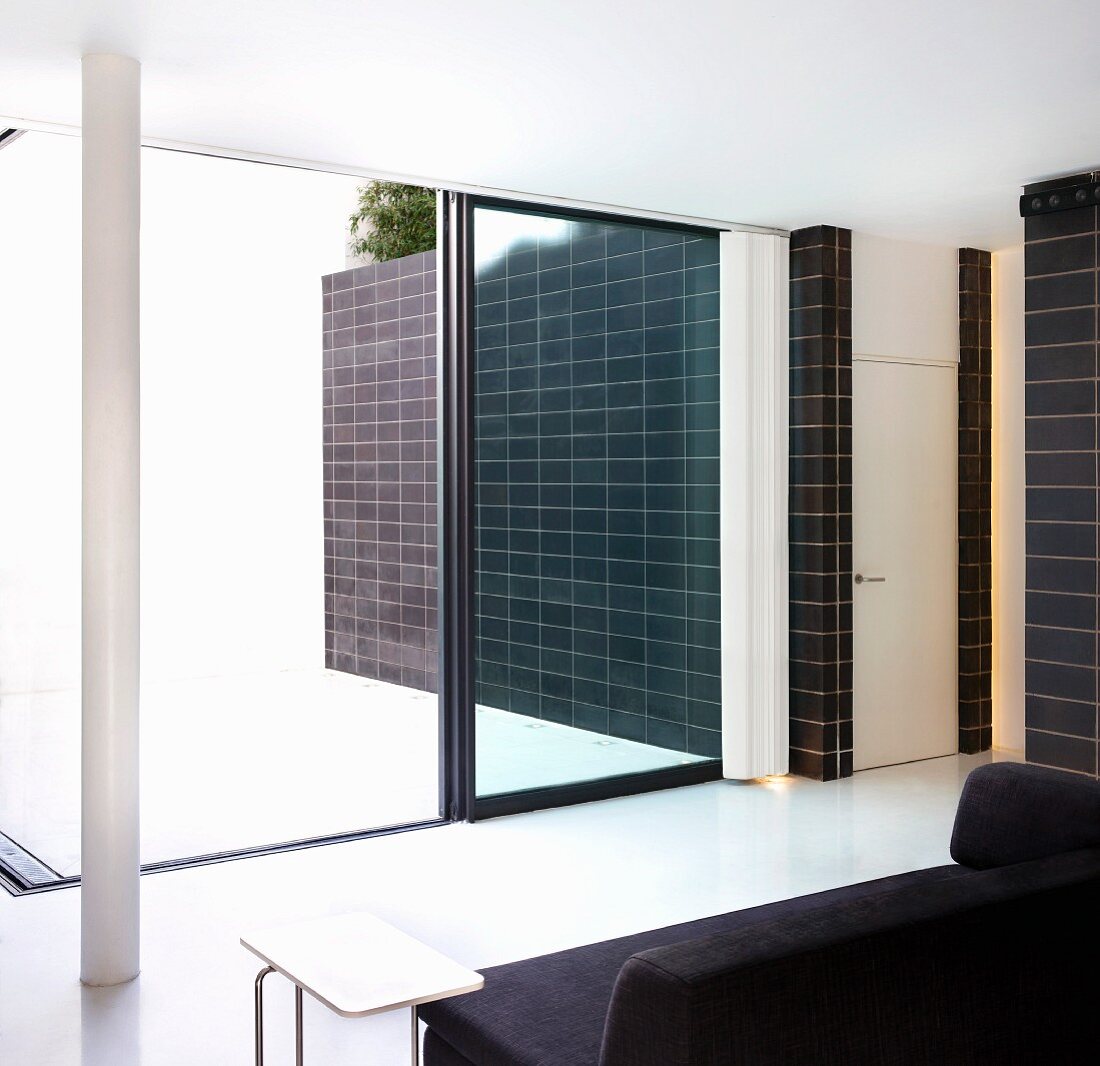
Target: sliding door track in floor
{"type": "Point", "coordinates": [20, 871]}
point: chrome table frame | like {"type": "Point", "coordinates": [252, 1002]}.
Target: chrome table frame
{"type": "Point", "coordinates": [298, 1043]}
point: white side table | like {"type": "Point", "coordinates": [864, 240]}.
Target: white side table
{"type": "Point", "coordinates": [356, 965]}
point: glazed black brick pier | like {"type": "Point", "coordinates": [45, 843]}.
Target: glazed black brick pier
{"type": "Point", "coordinates": [975, 513]}
{"type": "Point", "coordinates": [821, 502]}
{"type": "Point", "coordinates": [1060, 266]}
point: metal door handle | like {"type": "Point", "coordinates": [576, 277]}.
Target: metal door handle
{"type": "Point", "coordinates": [859, 579]}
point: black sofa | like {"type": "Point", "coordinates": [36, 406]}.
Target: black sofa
{"type": "Point", "coordinates": [987, 960]}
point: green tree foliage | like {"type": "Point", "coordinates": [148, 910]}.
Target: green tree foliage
{"type": "Point", "coordinates": [393, 220]}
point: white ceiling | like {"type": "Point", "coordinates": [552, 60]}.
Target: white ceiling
{"type": "Point", "coordinates": [907, 119]}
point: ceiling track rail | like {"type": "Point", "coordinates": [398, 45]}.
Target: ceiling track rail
{"type": "Point", "coordinates": [372, 174]}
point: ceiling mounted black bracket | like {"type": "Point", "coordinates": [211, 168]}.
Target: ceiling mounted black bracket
{"type": "Point", "coordinates": [1062, 198]}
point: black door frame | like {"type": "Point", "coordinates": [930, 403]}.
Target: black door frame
{"type": "Point", "coordinates": [457, 534]}
{"type": "Point", "coordinates": [455, 363]}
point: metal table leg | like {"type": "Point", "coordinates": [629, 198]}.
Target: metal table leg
{"type": "Point", "coordinates": [297, 1025]}
{"type": "Point", "coordinates": [298, 1041]}
{"type": "Point", "coordinates": [259, 1013]}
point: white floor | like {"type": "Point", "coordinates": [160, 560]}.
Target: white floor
{"type": "Point", "coordinates": [485, 893]}
{"type": "Point", "coordinates": [241, 761]}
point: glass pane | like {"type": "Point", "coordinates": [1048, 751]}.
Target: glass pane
{"type": "Point", "coordinates": [288, 514]}
{"type": "Point", "coordinates": [597, 571]}
{"type": "Point", "coordinates": [288, 509]}
{"type": "Point", "coordinates": [40, 501]}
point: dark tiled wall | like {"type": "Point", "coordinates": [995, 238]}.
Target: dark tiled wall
{"type": "Point", "coordinates": [975, 514]}
{"type": "Point", "coordinates": [1060, 265]}
{"type": "Point", "coordinates": [597, 426]}
{"type": "Point", "coordinates": [821, 502]}
{"type": "Point", "coordinates": [380, 471]}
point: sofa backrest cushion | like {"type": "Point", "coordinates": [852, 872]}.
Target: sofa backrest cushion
{"type": "Point", "coordinates": [989, 968]}
{"type": "Point", "coordinates": [1012, 812]}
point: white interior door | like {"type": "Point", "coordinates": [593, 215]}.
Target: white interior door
{"type": "Point", "coordinates": [904, 561]}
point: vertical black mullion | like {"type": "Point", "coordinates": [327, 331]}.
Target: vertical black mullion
{"type": "Point", "coordinates": [456, 443]}
{"type": "Point", "coordinates": [442, 424]}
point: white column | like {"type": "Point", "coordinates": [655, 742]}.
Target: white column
{"type": "Point", "coordinates": [754, 426]}
{"type": "Point", "coordinates": [109, 742]}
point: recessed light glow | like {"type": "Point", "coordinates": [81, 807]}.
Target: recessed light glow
{"type": "Point", "coordinates": [779, 781]}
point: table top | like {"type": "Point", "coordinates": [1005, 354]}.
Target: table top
{"type": "Point", "coordinates": [357, 964]}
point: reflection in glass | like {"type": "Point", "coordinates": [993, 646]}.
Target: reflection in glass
{"type": "Point", "coordinates": [597, 572]}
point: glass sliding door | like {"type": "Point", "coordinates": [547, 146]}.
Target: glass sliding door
{"type": "Point", "coordinates": [288, 513]}
{"type": "Point", "coordinates": [596, 490]}
{"type": "Point", "coordinates": [289, 563]}
{"type": "Point", "coordinates": [40, 530]}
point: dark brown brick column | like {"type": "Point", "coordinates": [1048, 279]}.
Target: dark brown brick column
{"type": "Point", "coordinates": [975, 515]}
{"type": "Point", "coordinates": [1061, 264]}
{"type": "Point", "coordinates": [821, 502]}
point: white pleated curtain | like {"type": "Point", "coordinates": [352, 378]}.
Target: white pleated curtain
{"type": "Point", "coordinates": [754, 447]}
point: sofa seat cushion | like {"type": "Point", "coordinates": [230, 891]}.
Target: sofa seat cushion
{"type": "Point", "coordinates": [551, 1010]}
{"type": "Point", "coordinates": [437, 1052]}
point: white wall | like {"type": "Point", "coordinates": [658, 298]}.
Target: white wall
{"type": "Point", "coordinates": [905, 306]}
{"type": "Point", "coordinates": [905, 299]}
{"type": "Point", "coordinates": [1008, 499]}
{"type": "Point", "coordinates": [232, 536]}
{"type": "Point", "coordinates": [905, 310]}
